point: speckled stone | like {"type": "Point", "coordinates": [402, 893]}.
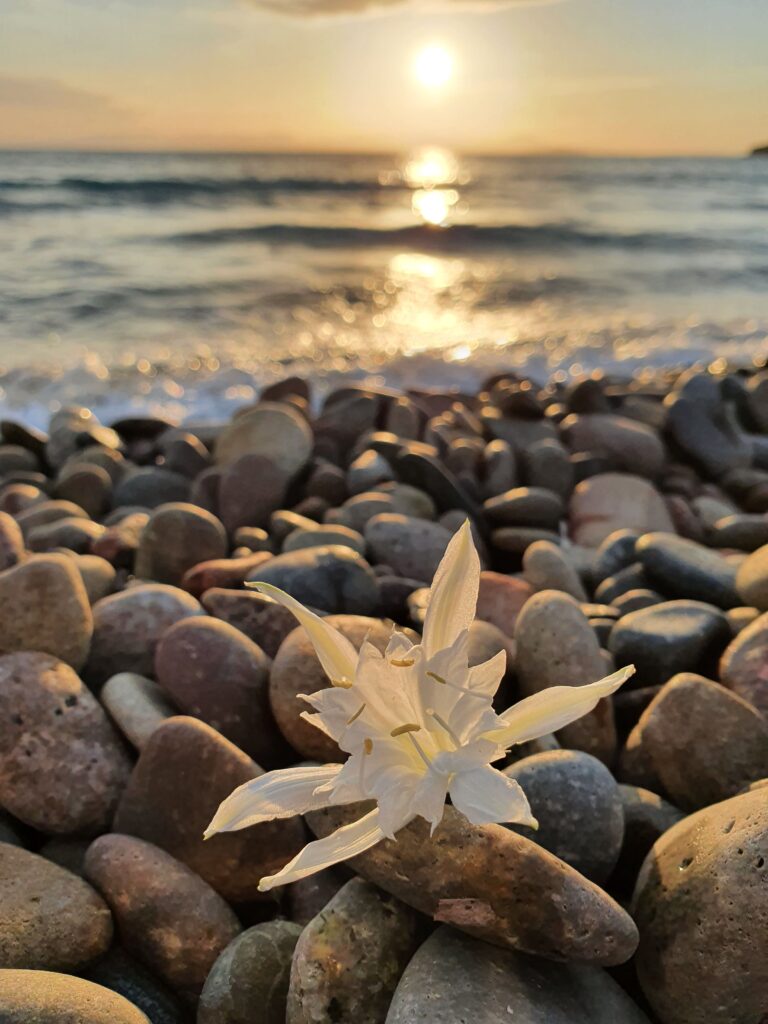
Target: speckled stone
{"type": "Point", "coordinates": [744, 665]}
{"type": "Point", "coordinates": [44, 997]}
{"type": "Point", "coordinates": [260, 618]}
{"type": "Point", "coordinates": [411, 547]}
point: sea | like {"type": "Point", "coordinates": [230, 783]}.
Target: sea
{"type": "Point", "coordinates": [179, 284]}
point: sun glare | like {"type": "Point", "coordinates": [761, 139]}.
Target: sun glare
{"type": "Point", "coordinates": [433, 66]}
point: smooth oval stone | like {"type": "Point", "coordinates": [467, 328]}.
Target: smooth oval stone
{"type": "Point", "coordinates": [667, 638]}
{"type": "Point", "coordinates": [297, 669]}
{"type": "Point", "coordinates": [253, 971]}
{"type": "Point", "coordinates": [698, 420]}
{"type": "Point", "coordinates": [333, 978]}
{"type": "Point", "coordinates": [411, 547]}
{"type": "Point", "coordinates": [250, 490]}
{"type": "Point", "coordinates": [700, 905]}
{"type": "Point", "coordinates": [517, 539]}
{"type": "Point", "coordinates": [546, 568]}
{"type": "Point", "coordinates": [212, 671]}
{"type": "Point", "coordinates": [453, 979]}
{"type": "Point", "coordinates": [367, 471]}
{"type": "Point", "coordinates": [615, 553]}
{"type": "Point", "coordinates": [129, 978]}
{"type": "Point", "coordinates": [557, 646]}
{"type": "Point", "coordinates": [744, 665]}
{"type": "Point", "coordinates": [120, 541]}
{"type": "Point", "coordinates": [49, 918]}
{"type": "Point", "coordinates": [177, 537]}
{"type": "Point", "coordinates": [428, 474]}
{"type": "Point", "coordinates": [359, 509]}
{"type": "Point", "coordinates": [625, 580]}
{"type": "Point", "coordinates": [577, 804]}
{"type": "Point", "coordinates": [409, 500]}
{"type": "Point", "coordinates": [43, 513]}
{"type": "Point", "coordinates": [222, 572]}
{"type": "Point", "coordinates": [547, 464]}
{"type": "Point", "coordinates": [44, 607]}
{"type": "Point", "coordinates": [752, 580]}
{"type": "Point", "coordinates": [89, 486]}
{"type": "Point", "coordinates": [136, 704]}
{"type": "Point", "coordinates": [682, 568]}
{"type": "Point", "coordinates": [615, 501]}
{"type": "Point", "coordinates": [333, 579]}
{"type": "Point", "coordinates": [128, 627]}
{"type": "Point", "coordinates": [704, 743]}
{"type": "Point", "coordinates": [635, 600]}
{"type": "Point", "coordinates": [500, 599]}
{"type": "Point", "coordinates": [629, 445]}
{"type": "Point", "coordinates": [307, 897]}
{"type": "Point", "coordinates": [14, 457]}
{"type": "Point", "coordinates": [167, 915]}
{"type": "Point", "coordinates": [183, 773]}
{"type": "Point", "coordinates": [44, 997]}
{"type": "Point", "coordinates": [274, 430]}
{"type": "Point", "coordinates": [62, 766]}
{"type": "Point", "coordinates": [525, 506]}
{"type": "Point", "coordinates": [646, 818]}
{"type": "Point", "coordinates": [743, 532]}
{"type": "Point", "coordinates": [151, 486]}
{"type": "Point", "coordinates": [320, 535]}
{"type": "Point", "coordinates": [260, 618]}
{"type": "Point", "coordinates": [493, 884]}
{"type": "Point", "coordinates": [11, 542]}
{"type": "Point", "coordinates": [98, 576]}
{"type": "Point", "coordinates": [72, 533]}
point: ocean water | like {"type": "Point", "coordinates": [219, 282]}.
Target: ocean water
{"type": "Point", "coordinates": [181, 283]}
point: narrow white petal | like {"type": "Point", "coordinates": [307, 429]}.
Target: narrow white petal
{"type": "Point", "coordinates": [554, 708]}
{"type": "Point", "coordinates": [485, 796]}
{"type": "Point", "coordinates": [345, 842]}
{"type": "Point", "coordinates": [278, 794]}
{"type": "Point", "coordinates": [486, 677]}
{"type": "Point", "coordinates": [453, 595]}
{"type": "Point", "coordinates": [337, 654]}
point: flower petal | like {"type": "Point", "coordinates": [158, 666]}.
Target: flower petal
{"type": "Point", "coordinates": [453, 595]}
{"type": "Point", "coordinates": [348, 841]}
{"type": "Point", "coordinates": [485, 796]}
{"type": "Point", "coordinates": [553, 708]}
{"type": "Point", "coordinates": [337, 654]}
{"type": "Point", "coordinates": [278, 794]}
{"type": "Point", "coordinates": [486, 677]}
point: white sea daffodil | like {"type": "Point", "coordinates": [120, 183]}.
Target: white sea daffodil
{"type": "Point", "coordinates": [417, 723]}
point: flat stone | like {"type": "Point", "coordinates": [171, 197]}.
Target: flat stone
{"type": "Point", "coordinates": [212, 671]}
{"type": "Point", "coordinates": [629, 445]}
{"type": "Point", "coordinates": [667, 638]}
{"type": "Point", "coordinates": [44, 997]}
{"type": "Point", "coordinates": [177, 537]}
{"type": "Point", "coordinates": [222, 572]}
{"type": "Point", "coordinates": [11, 542]}
{"type": "Point", "coordinates": [167, 916]}
{"type": "Point", "coordinates": [62, 765]}
{"type": "Point", "coordinates": [273, 430]}
{"type": "Point", "coordinates": [411, 547]}
{"type": "Point", "coordinates": [700, 904]}
{"type": "Point", "coordinates": [704, 743]}
{"type": "Point", "coordinates": [545, 567]}
{"type": "Point", "coordinates": [752, 580]}
{"type": "Point", "coordinates": [260, 618]}
{"type": "Point", "coordinates": [615, 501]}
{"type": "Point", "coordinates": [525, 506]}
{"type": "Point", "coordinates": [320, 535]}
{"type": "Point", "coordinates": [332, 579]}
{"type": "Point", "coordinates": [358, 510]}
{"type": "Point", "coordinates": [129, 978]}
{"type": "Point", "coordinates": [744, 665]}
{"type": "Point", "coordinates": [250, 489]}
{"type": "Point", "coordinates": [136, 704]}
{"type": "Point", "coordinates": [183, 773]}
{"type": "Point", "coordinates": [517, 539]}
{"type": "Point", "coordinates": [493, 884]}
{"type": "Point", "coordinates": [128, 627]}
{"type": "Point", "coordinates": [253, 971]}
{"type": "Point", "coordinates": [577, 804]}
{"type": "Point", "coordinates": [682, 568]}
{"type": "Point", "coordinates": [556, 646]}
{"type": "Point", "coordinates": [44, 607]}
{"type": "Point", "coordinates": [49, 918]}
{"type": "Point", "coordinates": [71, 532]}
{"type": "Point", "coordinates": [453, 979]}
{"type": "Point", "coordinates": [333, 978]}
{"type": "Point", "coordinates": [501, 598]}
{"type": "Point", "coordinates": [89, 486]}
{"type": "Point", "coordinates": [150, 487]}
{"type": "Point", "coordinates": [42, 513]}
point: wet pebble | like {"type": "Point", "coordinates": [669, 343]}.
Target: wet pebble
{"type": "Point", "coordinates": [681, 568]}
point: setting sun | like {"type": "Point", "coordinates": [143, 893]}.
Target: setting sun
{"type": "Point", "coordinates": [434, 66]}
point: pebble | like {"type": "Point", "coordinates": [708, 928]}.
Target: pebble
{"type": "Point", "coordinates": [250, 489]}
{"type": "Point", "coordinates": [68, 853]}
{"type": "Point", "coordinates": [752, 580]}
{"type": "Point", "coordinates": [212, 671]}
{"type": "Point", "coordinates": [45, 512]}
{"type": "Point", "coordinates": [119, 543]}
{"type": "Point", "coordinates": [744, 664]}
{"type": "Point", "coordinates": [307, 897]}
{"type": "Point", "coordinates": [331, 578]}
{"type": "Point", "coordinates": [358, 510]}
{"type": "Point", "coordinates": [681, 568]}
{"type": "Point", "coordinates": [632, 577]}
{"type": "Point", "coordinates": [89, 486]}
{"type": "Point", "coordinates": [704, 743]}
{"type": "Point", "coordinates": [273, 430]}
{"type": "Point", "coordinates": [408, 500]}
{"type": "Point", "coordinates": [49, 918]}
{"type": "Point", "coordinates": [136, 704]}
{"type": "Point", "coordinates": [128, 978]}
{"type": "Point", "coordinates": [412, 547]}
{"type": "Point", "coordinates": [11, 542]}
{"type": "Point", "coordinates": [454, 979]}
{"type": "Point", "coordinates": [426, 473]}
{"type": "Point", "coordinates": [647, 816]}
{"type": "Point", "coordinates": [743, 532]}
{"type": "Point", "coordinates": [501, 598]}
{"type": "Point", "coordinates": [577, 804]}
{"type": "Point", "coordinates": [349, 959]}
{"type": "Point", "coordinates": [635, 600]}
{"type": "Point", "coordinates": [183, 773]}
{"type": "Point", "coordinates": [525, 506]}
{"type": "Point", "coordinates": [260, 618]}
{"type": "Point", "coordinates": [547, 464]}
{"type": "Point", "coordinates": [631, 446]}
{"type": "Point", "coordinates": [698, 420]}
{"type": "Point", "coordinates": [675, 636]}
{"type": "Point", "coordinates": [45, 997]}
{"type": "Point", "coordinates": [517, 539]}
{"type": "Point", "coordinates": [97, 574]}
{"type": "Point", "coordinates": [546, 568]}
{"type": "Point", "coordinates": [150, 487]}
{"type": "Point", "coordinates": [62, 765]}
{"type": "Point", "coordinates": [127, 628]}
{"type": "Point", "coordinates": [556, 646]}
{"type": "Point", "coordinates": [609, 502]}
{"type": "Point", "coordinates": [72, 533]}
{"type": "Point", "coordinates": [495, 885]}
{"type": "Point", "coordinates": [702, 910]}
{"type": "Point", "coordinates": [253, 971]}
{"type": "Point", "coordinates": [177, 537]}
{"type": "Point", "coordinates": [15, 498]}
{"type": "Point", "coordinates": [367, 471]}
{"type": "Point", "coordinates": [320, 535]}
{"type": "Point", "coordinates": [222, 572]}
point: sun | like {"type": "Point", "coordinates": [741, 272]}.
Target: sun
{"type": "Point", "coordinates": [433, 66]}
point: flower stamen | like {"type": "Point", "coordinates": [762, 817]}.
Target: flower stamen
{"type": "Point", "coordinates": [357, 714]}
{"type": "Point", "coordinates": [444, 725]}
{"type": "Point", "coordinates": [455, 686]}
{"type": "Point", "coordinates": [419, 750]}
{"type": "Point", "coordinates": [408, 727]}
{"type": "Point", "coordinates": [368, 745]}
{"type": "Point", "coordinates": [402, 662]}
{"type": "Point", "coordinates": [344, 684]}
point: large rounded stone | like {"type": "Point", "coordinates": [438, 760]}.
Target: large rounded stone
{"type": "Point", "coordinates": [331, 578]}
{"type": "Point", "coordinates": [250, 490]}
{"type": "Point", "coordinates": [500, 599]}
{"type": "Point", "coordinates": [744, 665]}
{"type": "Point", "coordinates": [752, 579]}
{"type": "Point", "coordinates": [177, 537]}
{"type": "Point", "coordinates": [349, 959]}
{"type": "Point", "coordinates": [682, 568]}
{"type": "Point", "coordinates": [701, 904]}
{"type": "Point", "coordinates": [412, 547]}
{"type": "Point", "coordinates": [49, 918]}
{"type": "Point", "coordinates": [222, 572]}
{"type": "Point", "coordinates": [577, 804]}
{"type": "Point", "coordinates": [260, 618]}
{"type": "Point", "coordinates": [627, 444]}
{"type": "Point", "coordinates": [493, 884]}
{"type": "Point", "coordinates": [615, 501]}
{"type": "Point", "coordinates": [151, 486]}
{"type": "Point", "coordinates": [11, 542]}
{"type": "Point", "coordinates": [556, 646]}
{"type": "Point", "coordinates": [167, 915]}
{"type": "Point", "coordinates": [253, 971]}
{"type": "Point", "coordinates": [454, 979]}
{"type": "Point", "coordinates": [546, 568]}
{"type": "Point", "coordinates": [183, 773]}
{"type": "Point", "coordinates": [646, 818]}
{"type": "Point", "coordinates": [44, 997]}
{"type": "Point", "coordinates": [137, 706]}
{"type": "Point", "coordinates": [212, 671]}
{"type": "Point", "coordinates": [276, 431]}
{"type": "Point", "coordinates": [62, 766]}
{"type": "Point", "coordinates": [525, 506]}
{"type": "Point", "coordinates": [44, 607]}
{"type": "Point", "coordinates": [128, 627]}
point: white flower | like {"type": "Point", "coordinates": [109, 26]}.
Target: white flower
{"type": "Point", "coordinates": [418, 725]}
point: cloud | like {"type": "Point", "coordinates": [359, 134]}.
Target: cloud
{"type": "Point", "coordinates": [330, 8]}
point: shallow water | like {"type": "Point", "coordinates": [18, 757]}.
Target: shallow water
{"type": "Point", "coordinates": [182, 282]}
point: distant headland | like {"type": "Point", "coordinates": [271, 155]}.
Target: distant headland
{"type": "Point", "coordinates": [759, 151]}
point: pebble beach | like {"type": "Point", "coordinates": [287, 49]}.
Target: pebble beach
{"type": "Point", "coordinates": [620, 519]}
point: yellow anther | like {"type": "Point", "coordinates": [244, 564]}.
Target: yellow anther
{"type": "Point", "coordinates": [408, 727]}
{"type": "Point", "coordinates": [437, 678]}
{"type": "Point", "coordinates": [402, 662]}
{"type": "Point", "coordinates": [368, 746]}
{"type": "Point", "coordinates": [356, 715]}
{"type": "Point", "coordinates": [344, 684]}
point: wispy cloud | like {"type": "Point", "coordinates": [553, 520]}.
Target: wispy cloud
{"type": "Point", "coordinates": [331, 8]}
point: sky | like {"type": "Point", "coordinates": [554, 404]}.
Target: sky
{"type": "Point", "coordinates": [629, 77]}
